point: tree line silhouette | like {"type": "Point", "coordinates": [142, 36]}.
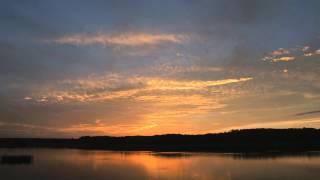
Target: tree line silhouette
{"type": "Point", "coordinates": [246, 140]}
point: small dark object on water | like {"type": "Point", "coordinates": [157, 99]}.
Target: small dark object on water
{"type": "Point", "coordinates": [16, 159]}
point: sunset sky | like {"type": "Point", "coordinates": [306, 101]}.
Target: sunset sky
{"type": "Point", "coordinates": [144, 67]}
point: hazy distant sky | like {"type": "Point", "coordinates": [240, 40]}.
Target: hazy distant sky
{"type": "Point", "coordinates": [70, 67]}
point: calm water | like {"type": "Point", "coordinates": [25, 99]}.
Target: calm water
{"type": "Point", "coordinates": [67, 164]}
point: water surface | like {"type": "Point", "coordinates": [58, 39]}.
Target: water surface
{"type": "Point", "coordinates": [83, 164]}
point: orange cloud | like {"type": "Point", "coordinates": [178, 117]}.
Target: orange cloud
{"type": "Point", "coordinates": [280, 54]}
{"type": "Point", "coordinates": [164, 84]}
{"type": "Point", "coordinates": [280, 51]}
{"type": "Point", "coordinates": [127, 39]}
{"type": "Point", "coordinates": [285, 58]}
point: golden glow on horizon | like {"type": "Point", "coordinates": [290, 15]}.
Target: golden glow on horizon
{"type": "Point", "coordinates": [163, 103]}
{"type": "Point", "coordinates": [160, 127]}
{"type": "Point", "coordinates": [171, 126]}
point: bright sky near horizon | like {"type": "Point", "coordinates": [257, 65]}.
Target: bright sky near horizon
{"type": "Point", "coordinates": [144, 67]}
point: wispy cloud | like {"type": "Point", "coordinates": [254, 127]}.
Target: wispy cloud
{"type": "Point", "coordinates": [174, 69]}
{"type": "Point", "coordinates": [113, 86]}
{"type": "Point", "coordinates": [126, 39]}
{"type": "Point", "coordinates": [165, 84]}
{"type": "Point", "coordinates": [307, 113]}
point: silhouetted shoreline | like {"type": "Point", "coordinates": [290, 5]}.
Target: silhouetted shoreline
{"type": "Point", "coordinates": [247, 140]}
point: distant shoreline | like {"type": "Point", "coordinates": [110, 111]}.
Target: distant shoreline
{"type": "Point", "coordinates": [242, 141]}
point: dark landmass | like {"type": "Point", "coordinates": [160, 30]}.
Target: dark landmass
{"type": "Point", "coordinates": [16, 159]}
{"type": "Point", "coordinates": [247, 140]}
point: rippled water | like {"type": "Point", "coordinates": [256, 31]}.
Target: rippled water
{"type": "Point", "coordinates": [67, 164]}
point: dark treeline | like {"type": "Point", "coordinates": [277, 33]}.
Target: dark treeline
{"type": "Point", "coordinates": [248, 140]}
